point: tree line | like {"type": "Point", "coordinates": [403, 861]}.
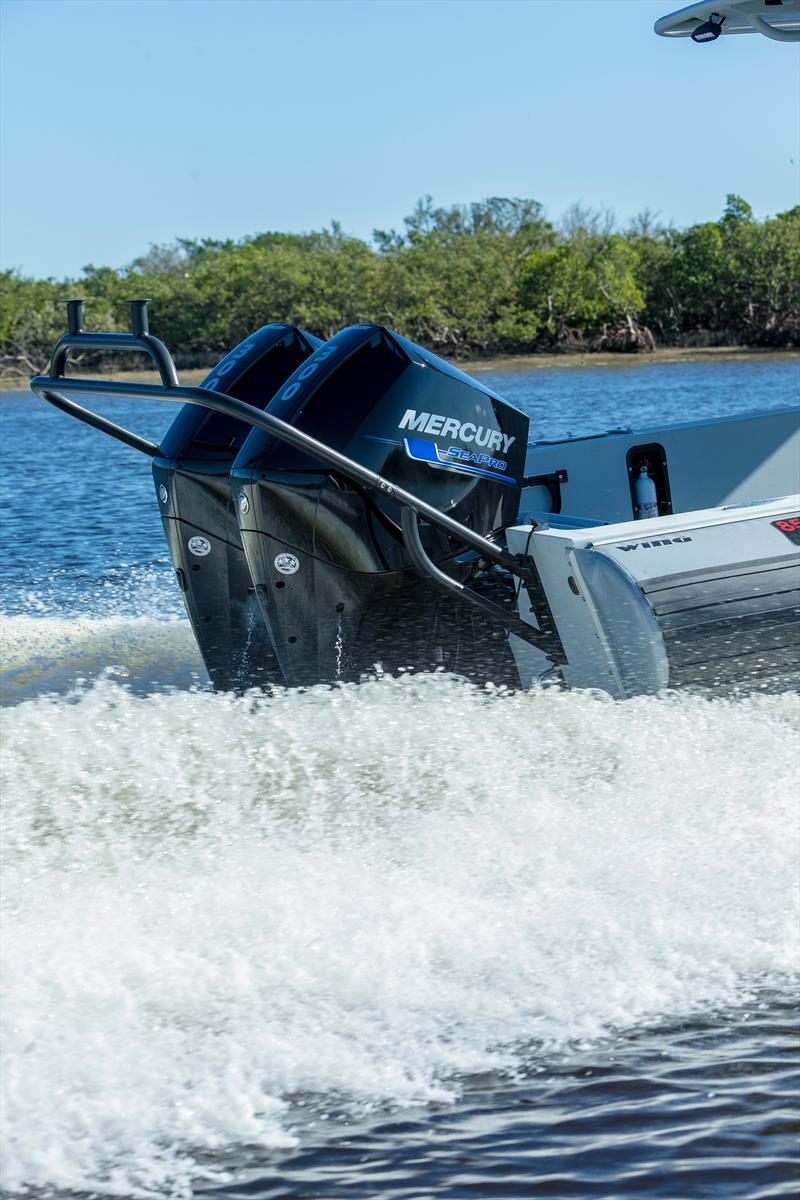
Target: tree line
{"type": "Point", "coordinates": [475, 280]}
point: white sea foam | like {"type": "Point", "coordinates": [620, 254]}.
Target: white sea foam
{"type": "Point", "coordinates": [215, 905]}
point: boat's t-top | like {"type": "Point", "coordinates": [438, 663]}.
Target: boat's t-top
{"type": "Point", "coordinates": [708, 19]}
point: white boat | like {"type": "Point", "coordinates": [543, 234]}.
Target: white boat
{"type": "Point", "coordinates": [337, 508]}
{"type": "Point", "coordinates": [369, 506]}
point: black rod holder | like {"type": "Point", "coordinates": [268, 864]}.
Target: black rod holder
{"type": "Point", "coordinates": [74, 316]}
{"type": "Point", "coordinates": [139, 322]}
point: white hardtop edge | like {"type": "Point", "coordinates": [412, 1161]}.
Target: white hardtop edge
{"type": "Point", "coordinates": [777, 20]}
{"type": "Point", "coordinates": [602, 535]}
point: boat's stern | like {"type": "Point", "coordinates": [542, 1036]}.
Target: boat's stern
{"type": "Point", "coordinates": [709, 598]}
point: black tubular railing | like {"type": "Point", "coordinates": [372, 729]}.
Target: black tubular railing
{"type": "Point", "coordinates": [139, 339]}
{"type": "Point", "coordinates": [59, 390]}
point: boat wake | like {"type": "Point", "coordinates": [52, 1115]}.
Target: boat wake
{"type": "Point", "coordinates": [223, 911]}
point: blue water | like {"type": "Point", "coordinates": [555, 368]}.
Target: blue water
{"type": "Point", "coordinates": [404, 939]}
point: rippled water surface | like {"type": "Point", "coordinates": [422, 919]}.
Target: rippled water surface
{"type": "Point", "coordinates": [401, 940]}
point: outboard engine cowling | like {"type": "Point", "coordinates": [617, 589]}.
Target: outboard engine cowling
{"type": "Point", "coordinates": [331, 570]}
{"type": "Point", "coordinates": [191, 476]}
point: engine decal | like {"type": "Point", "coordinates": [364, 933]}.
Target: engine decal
{"type": "Point", "coordinates": [790, 528]}
{"type": "Point", "coordinates": [228, 363]}
{"type": "Point", "coordinates": [287, 564]}
{"type": "Point", "coordinates": [651, 545]}
{"type": "Point", "coordinates": [451, 427]}
{"type": "Point", "coordinates": [456, 458]}
{"type": "Point", "coordinates": [309, 369]}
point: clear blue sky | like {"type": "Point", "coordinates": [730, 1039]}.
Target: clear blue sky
{"type": "Point", "coordinates": [131, 122]}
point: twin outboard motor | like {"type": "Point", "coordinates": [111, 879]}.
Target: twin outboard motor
{"type": "Point", "coordinates": [292, 487]}
{"type": "Point", "coordinates": [191, 475]}
{"type": "Point", "coordinates": [332, 574]}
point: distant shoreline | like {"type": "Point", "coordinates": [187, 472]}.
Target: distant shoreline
{"type": "Point", "coordinates": [509, 362]}
{"type": "Point", "coordinates": [580, 358]}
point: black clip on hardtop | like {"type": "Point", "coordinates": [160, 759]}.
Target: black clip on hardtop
{"type": "Point", "coordinates": [59, 389]}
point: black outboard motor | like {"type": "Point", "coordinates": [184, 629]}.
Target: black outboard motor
{"type": "Point", "coordinates": [332, 573]}
{"type": "Point", "coordinates": [191, 477]}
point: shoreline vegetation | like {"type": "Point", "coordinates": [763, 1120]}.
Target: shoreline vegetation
{"type": "Point", "coordinates": [573, 360]}
{"type": "Point", "coordinates": [486, 284]}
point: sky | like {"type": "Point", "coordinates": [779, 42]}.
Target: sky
{"type": "Point", "coordinates": [128, 123]}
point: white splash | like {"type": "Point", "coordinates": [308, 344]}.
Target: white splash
{"type": "Point", "coordinates": [216, 904]}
